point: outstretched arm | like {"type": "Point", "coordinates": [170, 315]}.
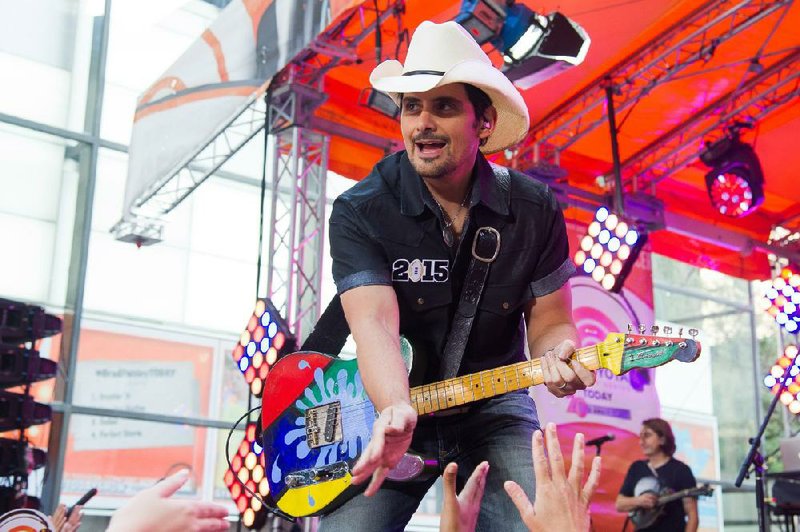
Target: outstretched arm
{"type": "Point", "coordinates": [374, 321]}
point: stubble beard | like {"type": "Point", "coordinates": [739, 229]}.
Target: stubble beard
{"type": "Point", "coordinates": [434, 169]}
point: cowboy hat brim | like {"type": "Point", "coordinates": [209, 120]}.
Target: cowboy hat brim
{"type": "Point", "coordinates": [513, 119]}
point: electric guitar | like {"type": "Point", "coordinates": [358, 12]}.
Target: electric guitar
{"type": "Point", "coordinates": [317, 419]}
{"type": "Point", "coordinates": [645, 517]}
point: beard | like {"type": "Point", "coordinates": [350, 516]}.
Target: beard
{"type": "Point", "coordinates": [434, 169]}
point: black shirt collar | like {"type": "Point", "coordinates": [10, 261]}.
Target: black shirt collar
{"type": "Point", "coordinates": [494, 193]}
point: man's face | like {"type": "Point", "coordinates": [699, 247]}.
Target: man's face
{"type": "Point", "coordinates": [440, 131]}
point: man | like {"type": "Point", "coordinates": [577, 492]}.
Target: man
{"type": "Point", "coordinates": [401, 243]}
{"type": "Point", "coordinates": [659, 471]}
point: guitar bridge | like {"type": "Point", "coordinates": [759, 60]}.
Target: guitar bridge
{"type": "Point", "coordinates": [315, 475]}
{"type": "Point", "coordinates": [324, 425]}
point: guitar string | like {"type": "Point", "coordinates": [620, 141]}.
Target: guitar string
{"type": "Point", "coordinates": [435, 390]}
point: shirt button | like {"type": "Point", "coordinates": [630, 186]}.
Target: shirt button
{"type": "Point", "coordinates": [506, 305]}
{"type": "Point", "coordinates": [420, 301]}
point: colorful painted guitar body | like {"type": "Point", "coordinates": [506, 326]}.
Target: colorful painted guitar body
{"type": "Point", "coordinates": [317, 418]}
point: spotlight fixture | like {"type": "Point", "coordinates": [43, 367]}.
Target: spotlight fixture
{"type": "Point", "coordinates": [483, 19]}
{"type": "Point", "coordinates": [538, 47]}
{"type": "Point", "coordinates": [20, 322]}
{"type": "Point", "coordinates": [380, 102]}
{"type": "Point", "coordinates": [609, 249]}
{"type": "Point", "coordinates": [19, 365]}
{"type": "Point", "coordinates": [266, 339]}
{"type": "Point", "coordinates": [535, 47]}
{"type": "Point", "coordinates": [247, 469]}
{"type": "Point", "coordinates": [782, 300]}
{"type": "Point", "coordinates": [735, 183]}
{"type": "Point", "coordinates": [790, 396]}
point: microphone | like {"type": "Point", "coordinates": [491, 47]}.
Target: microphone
{"type": "Point", "coordinates": [601, 440]}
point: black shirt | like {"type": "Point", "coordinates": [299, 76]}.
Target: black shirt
{"type": "Point", "coordinates": [674, 475]}
{"type": "Point", "coordinates": [387, 230]}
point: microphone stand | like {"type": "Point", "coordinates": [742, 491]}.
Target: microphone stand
{"type": "Point", "coordinates": [598, 446]}
{"type": "Point", "coordinates": [756, 459]}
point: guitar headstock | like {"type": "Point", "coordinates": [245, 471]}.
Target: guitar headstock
{"type": "Point", "coordinates": [621, 353]}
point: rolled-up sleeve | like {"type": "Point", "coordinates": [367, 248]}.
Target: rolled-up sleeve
{"type": "Point", "coordinates": [358, 259]}
{"type": "Point", "coordinates": [555, 266]}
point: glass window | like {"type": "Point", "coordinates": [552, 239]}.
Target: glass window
{"type": "Point", "coordinates": [45, 53]}
{"type": "Point", "coordinates": [130, 456]}
{"type": "Point", "coordinates": [39, 184]}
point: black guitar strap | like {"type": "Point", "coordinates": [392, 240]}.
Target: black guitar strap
{"type": "Point", "coordinates": [485, 247]}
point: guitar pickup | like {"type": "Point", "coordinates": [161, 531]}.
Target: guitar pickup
{"type": "Point", "coordinates": [324, 425]}
{"type": "Point", "coordinates": [315, 475]}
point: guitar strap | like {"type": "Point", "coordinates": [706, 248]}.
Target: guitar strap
{"type": "Point", "coordinates": [485, 247]}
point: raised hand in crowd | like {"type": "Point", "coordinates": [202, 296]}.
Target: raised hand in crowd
{"type": "Point", "coordinates": [153, 510]}
{"type": "Point", "coordinates": [61, 523]}
{"type": "Point", "coordinates": [460, 512]}
{"type": "Point", "coordinates": [562, 501]}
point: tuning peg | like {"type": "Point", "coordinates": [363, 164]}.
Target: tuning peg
{"type": "Point", "coordinates": [630, 328]}
{"type": "Point", "coordinates": [642, 328]}
{"type": "Point", "coordinates": [693, 333]}
{"type": "Point", "coordinates": [667, 329]}
{"type": "Point", "coordinates": [654, 330]}
{"type": "Point", "coordinates": [680, 332]}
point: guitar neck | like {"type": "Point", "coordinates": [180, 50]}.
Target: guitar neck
{"type": "Point", "coordinates": [458, 391]}
{"type": "Point", "coordinates": [691, 492]}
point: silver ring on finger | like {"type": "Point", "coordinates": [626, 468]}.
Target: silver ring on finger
{"type": "Point", "coordinates": [563, 385]}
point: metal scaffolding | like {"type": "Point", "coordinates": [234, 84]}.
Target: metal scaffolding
{"type": "Point", "coordinates": [338, 43]}
{"type": "Point", "coordinates": [690, 41]}
{"type": "Point", "coordinates": [297, 217]}
{"type": "Point", "coordinates": [752, 101]}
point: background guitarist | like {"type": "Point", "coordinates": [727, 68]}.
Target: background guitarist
{"type": "Point", "coordinates": [658, 446]}
{"type": "Point", "coordinates": [401, 241]}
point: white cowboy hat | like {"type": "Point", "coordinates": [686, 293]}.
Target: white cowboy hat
{"type": "Point", "coordinates": [439, 54]}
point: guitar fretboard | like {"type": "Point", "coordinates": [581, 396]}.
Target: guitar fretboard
{"type": "Point", "coordinates": [459, 391]}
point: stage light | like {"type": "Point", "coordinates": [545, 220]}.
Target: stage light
{"type": "Point", "coordinates": [20, 322]}
{"type": "Point", "coordinates": [381, 102]}
{"type": "Point", "coordinates": [483, 19]}
{"type": "Point", "coordinates": [790, 396]}
{"type": "Point", "coordinates": [18, 411]}
{"type": "Point", "coordinates": [604, 257]}
{"type": "Point", "coordinates": [735, 183]}
{"type": "Point", "coordinates": [265, 340]}
{"type": "Point", "coordinates": [247, 469]}
{"type": "Point", "coordinates": [19, 365]}
{"type": "Point", "coordinates": [537, 47]}
{"type": "Point", "coordinates": [782, 300]}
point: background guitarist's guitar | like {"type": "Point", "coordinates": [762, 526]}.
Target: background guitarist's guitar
{"type": "Point", "coordinates": [317, 418]}
{"type": "Point", "coordinates": [644, 517]}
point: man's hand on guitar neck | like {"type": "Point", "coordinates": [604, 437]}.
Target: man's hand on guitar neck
{"type": "Point", "coordinates": [562, 375]}
{"type": "Point", "coordinates": [391, 437]}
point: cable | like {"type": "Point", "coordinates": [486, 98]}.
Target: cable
{"type": "Point", "coordinates": [268, 99]}
{"type": "Point", "coordinates": [258, 497]}
{"type": "Point", "coordinates": [377, 33]}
